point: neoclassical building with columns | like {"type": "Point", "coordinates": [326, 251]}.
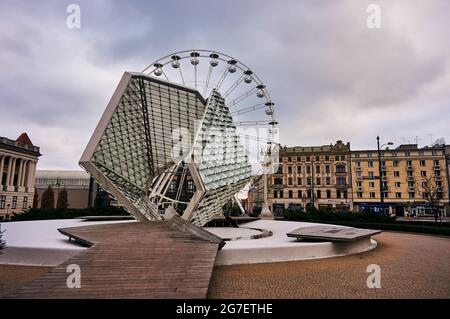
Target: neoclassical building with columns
{"type": "Point", "coordinates": [18, 159]}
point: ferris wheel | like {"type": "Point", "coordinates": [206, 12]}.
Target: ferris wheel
{"type": "Point", "coordinates": [245, 95]}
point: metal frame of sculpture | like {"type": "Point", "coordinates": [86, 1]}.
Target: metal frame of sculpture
{"type": "Point", "coordinates": [140, 144]}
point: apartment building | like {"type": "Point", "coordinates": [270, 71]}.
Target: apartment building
{"type": "Point", "coordinates": [312, 175]}
{"type": "Point", "coordinates": [408, 175]}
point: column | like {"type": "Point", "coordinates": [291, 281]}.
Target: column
{"type": "Point", "coordinates": [12, 167]}
{"type": "Point", "coordinates": [32, 173]}
{"type": "Point", "coordinates": [19, 172]}
{"type": "Point", "coordinates": [2, 165]}
{"type": "Point", "coordinates": [24, 170]}
{"type": "Point", "coordinates": [30, 166]}
{"type": "Point", "coordinates": [26, 173]}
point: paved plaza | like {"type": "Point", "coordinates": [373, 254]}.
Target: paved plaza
{"type": "Point", "coordinates": [412, 266]}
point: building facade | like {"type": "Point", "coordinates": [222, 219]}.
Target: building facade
{"type": "Point", "coordinates": [76, 183]}
{"type": "Point", "coordinates": [408, 175]}
{"type": "Point", "coordinates": [18, 160]}
{"type": "Point", "coordinates": [315, 175]}
{"type": "Point", "coordinates": [82, 190]}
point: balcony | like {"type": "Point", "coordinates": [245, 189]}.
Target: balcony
{"type": "Point", "coordinates": [358, 168]}
{"type": "Point", "coordinates": [410, 178]}
{"type": "Point", "coordinates": [383, 168]}
{"type": "Point", "coordinates": [342, 185]}
{"type": "Point", "coordinates": [409, 167]}
{"type": "Point", "coordinates": [437, 167]}
{"type": "Point", "coordinates": [359, 178]}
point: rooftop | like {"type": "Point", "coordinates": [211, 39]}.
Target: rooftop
{"type": "Point", "coordinates": [21, 144]}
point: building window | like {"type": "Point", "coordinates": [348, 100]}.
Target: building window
{"type": "Point", "coordinates": [328, 193]}
{"type": "Point", "coordinates": [290, 193]}
{"type": "Point", "coordinates": [308, 159]}
{"type": "Point", "coordinates": [172, 186]}
{"type": "Point", "coordinates": [345, 194]}
{"type": "Point", "coordinates": [407, 153]}
{"type": "Point", "coordinates": [395, 163]}
{"type": "Point", "coordinates": [290, 181]}
{"type": "Point", "coordinates": [317, 169]}
{"type": "Point", "coordinates": [25, 202]}
{"type": "Point", "coordinates": [412, 195]}
{"type": "Point", "coordinates": [281, 194]}
{"type": "Point", "coordinates": [308, 180]}
{"type": "Point", "coordinates": [289, 169]}
{"type": "Point", "coordinates": [371, 184]}
{"type": "Point", "coordinates": [341, 180]}
{"type": "Point", "coordinates": [370, 174]}
{"type": "Point", "coordinates": [317, 180]}
{"type": "Point", "coordinates": [299, 194]}
{"type": "Point", "coordinates": [372, 194]}
{"type": "Point", "coordinates": [327, 169]}
{"type": "Point", "coordinates": [275, 194]}
{"type": "Point", "coordinates": [338, 194]}
{"type": "Point", "coordinates": [396, 174]}
{"type": "Point", "coordinates": [342, 157]}
{"type": "Point", "coordinates": [370, 164]}
{"type": "Point", "coordinates": [336, 158]}
{"type": "Point", "coordinates": [422, 163]}
{"type": "Point", "coordinates": [359, 194]}
{"type": "Point", "coordinates": [319, 194]}
{"type": "Point", "coordinates": [423, 173]}
{"type": "Point", "coordinates": [340, 168]}
{"type": "Point", "coordinates": [327, 158]}
{"type": "Point", "coordinates": [308, 169]}
{"type": "Point", "coordinates": [356, 155]}
{"type": "Point", "coordinates": [328, 180]}
{"type": "Point", "coordinates": [299, 169]}
{"type": "Point", "coordinates": [309, 193]}
{"type": "Point", "coordinates": [397, 184]}
{"type": "Point", "coordinates": [298, 159]}
{"type": "Point", "coordinates": [14, 202]}
{"type": "Point", "coordinates": [278, 181]}
{"type": "Point", "coordinates": [299, 181]}
{"type": "Point", "coordinates": [2, 201]}
{"type": "Point", "coordinates": [398, 195]}
{"type": "Point", "coordinates": [190, 186]}
{"type": "Point", "coordinates": [289, 159]}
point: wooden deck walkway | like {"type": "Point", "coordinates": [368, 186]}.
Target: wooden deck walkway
{"type": "Point", "coordinates": [164, 259]}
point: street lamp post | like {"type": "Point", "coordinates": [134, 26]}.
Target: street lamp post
{"type": "Point", "coordinates": [265, 211]}
{"type": "Point", "coordinates": [312, 181]}
{"type": "Point", "coordinates": [379, 168]}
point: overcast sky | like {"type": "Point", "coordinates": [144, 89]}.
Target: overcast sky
{"type": "Point", "coordinates": [330, 76]}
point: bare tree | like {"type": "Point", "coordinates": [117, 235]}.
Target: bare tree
{"type": "Point", "coordinates": [2, 242]}
{"type": "Point", "coordinates": [432, 192]}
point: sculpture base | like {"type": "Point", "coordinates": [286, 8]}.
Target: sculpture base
{"type": "Point", "coordinates": [266, 213]}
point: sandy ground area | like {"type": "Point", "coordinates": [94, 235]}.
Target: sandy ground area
{"type": "Point", "coordinates": [412, 266]}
